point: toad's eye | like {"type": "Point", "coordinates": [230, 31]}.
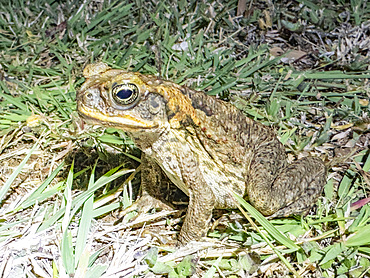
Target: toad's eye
{"type": "Point", "coordinates": [125, 94]}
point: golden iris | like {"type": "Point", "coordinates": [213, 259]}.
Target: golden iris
{"type": "Point", "coordinates": [125, 94]}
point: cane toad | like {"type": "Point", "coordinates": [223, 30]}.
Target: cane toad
{"type": "Point", "coordinates": [205, 146]}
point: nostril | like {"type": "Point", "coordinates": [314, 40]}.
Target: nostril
{"type": "Point", "coordinates": [91, 96]}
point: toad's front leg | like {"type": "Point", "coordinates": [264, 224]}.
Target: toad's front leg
{"type": "Point", "coordinates": [201, 202]}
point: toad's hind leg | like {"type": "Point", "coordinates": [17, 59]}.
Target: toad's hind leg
{"type": "Point", "coordinates": [308, 175]}
{"type": "Point", "coordinates": [281, 189]}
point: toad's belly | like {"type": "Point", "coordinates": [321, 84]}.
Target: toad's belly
{"type": "Point", "coordinates": [182, 157]}
{"type": "Point", "coordinates": [223, 182]}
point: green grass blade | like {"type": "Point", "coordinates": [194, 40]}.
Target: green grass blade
{"type": "Point", "coordinates": [83, 262]}
{"type": "Point", "coordinates": [79, 200]}
{"type": "Point", "coordinates": [260, 66]}
{"type": "Point", "coordinates": [68, 200]}
{"type": "Point", "coordinates": [85, 222]}
{"type": "Point", "coordinates": [96, 271]}
{"type": "Point", "coordinates": [4, 189]}
{"type": "Point", "coordinates": [267, 225]}
{"type": "Point", "coordinates": [38, 195]}
{"type": "Point", "coordinates": [13, 100]}
{"type": "Point", "coordinates": [67, 252]}
{"type": "Point", "coordinates": [332, 252]}
{"type": "Point", "coordinates": [359, 238]}
{"type": "Point", "coordinates": [271, 230]}
{"type": "Point", "coordinates": [66, 244]}
{"type": "Point", "coordinates": [105, 209]}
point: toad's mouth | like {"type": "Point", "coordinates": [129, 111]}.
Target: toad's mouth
{"type": "Point", "coordinates": [124, 122]}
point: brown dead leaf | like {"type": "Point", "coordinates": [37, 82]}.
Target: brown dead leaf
{"type": "Point", "coordinates": [364, 102]}
{"type": "Point", "coordinates": [242, 6]}
{"type": "Point", "coordinates": [293, 55]}
{"type": "Point", "coordinates": [276, 51]}
{"type": "Point", "coordinates": [289, 56]}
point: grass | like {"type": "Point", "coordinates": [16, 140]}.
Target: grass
{"type": "Point", "coordinates": [60, 185]}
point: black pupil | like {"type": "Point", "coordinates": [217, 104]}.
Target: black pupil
{"type": "Point", "coordinates": [124, 93]}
